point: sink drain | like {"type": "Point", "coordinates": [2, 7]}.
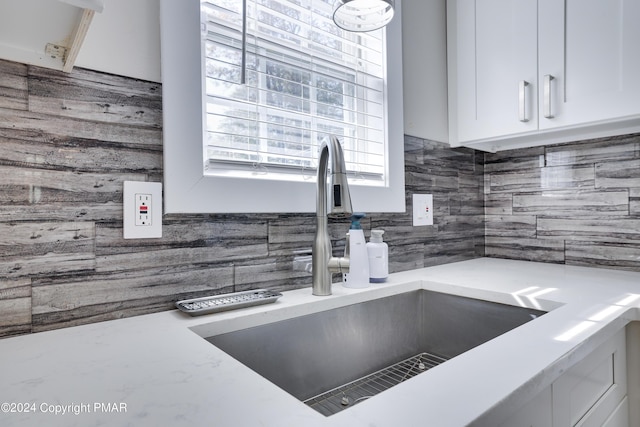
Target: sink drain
{"type": "Point", "coordinates": [347, 395]}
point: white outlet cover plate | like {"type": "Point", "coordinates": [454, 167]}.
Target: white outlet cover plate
{"type": "Point", "coordinates": [422, 209]}
{"type": "Point", "coordinates": [130, 209]}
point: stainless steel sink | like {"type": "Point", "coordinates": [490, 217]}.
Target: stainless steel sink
{"type": "Point", "coordinates": [311, 355]}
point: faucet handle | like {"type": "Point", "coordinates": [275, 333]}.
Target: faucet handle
{"type": "Point", "coordinates": [341, 264]}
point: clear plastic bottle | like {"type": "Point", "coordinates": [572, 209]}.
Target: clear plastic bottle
{"type": "Point", "coordinates": [358, 275]}
{"type": "Point", "coordinates": [378, 254]}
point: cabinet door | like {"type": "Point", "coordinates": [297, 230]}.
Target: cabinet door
{"type": "Point", "coordinates": [536, 413]}
{"type": "Point", "coordinates": [592, 390]}
{"type": "Point", "coordinates": [589, 50]}
{"type": "Point", "coordinates": [492, 51]}
{"type": "Point", "coordinates": [619, 417]}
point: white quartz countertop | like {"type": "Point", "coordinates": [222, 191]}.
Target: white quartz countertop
{"type": "Point", "coordinates": [157, 370]}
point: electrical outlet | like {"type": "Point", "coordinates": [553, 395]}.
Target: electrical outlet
{"type": "Point", "coordinates": [422, 209]}
{"type": "Point", "coordinates": [142, 210]}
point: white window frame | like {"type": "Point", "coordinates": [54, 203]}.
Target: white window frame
{"type": "Point", "coordinates": [188, 190]}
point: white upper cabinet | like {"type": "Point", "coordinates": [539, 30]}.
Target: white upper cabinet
{"type": "Point", "coordinates": [589, 50]}
{"type": "Point", "coordinates": [496, 52]}
{"type": "Point", "coordinates": [525, 73]}
{"type": "Point", "coordinates": [424, 68]}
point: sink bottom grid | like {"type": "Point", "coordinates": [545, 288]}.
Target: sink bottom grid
{"type": "Point", "coordinates": [347, 395]}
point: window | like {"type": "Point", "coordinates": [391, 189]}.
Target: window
{"type": "Point", "coordinates": [253, 148]}
{"type": "Point", "coordinates": [305, 79]}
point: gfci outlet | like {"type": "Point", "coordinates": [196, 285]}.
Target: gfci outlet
{"type": "Point", "coordinates": [142, 215]}
{"type": "Point", "coordinates": [144, 210]}
{"type": "Point", "coordinates": [422, 209]}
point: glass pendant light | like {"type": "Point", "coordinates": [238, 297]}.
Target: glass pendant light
{"type": "Point", "coordinates": [363, 15]}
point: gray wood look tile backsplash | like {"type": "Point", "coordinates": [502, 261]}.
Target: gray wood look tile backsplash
{"type": "Point", "coordinates": [68, 141]}
{"type": "Point", "coordinates": [574, 203]}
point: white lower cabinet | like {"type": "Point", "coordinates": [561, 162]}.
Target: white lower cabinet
{"type": "Point", "coordinates": [536, 413]}
{"type": "Point", "coordinates": [592, 390]}
{"type": "Point", "coordinates": [591, 393]}
{"type": "Point", "coordinates": [620, 417]}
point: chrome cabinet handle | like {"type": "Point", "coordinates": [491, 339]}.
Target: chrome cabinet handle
{"type": "Point", "coordinates": [547, 96]}
{"type": "Point", "coordinates": [522, 90]}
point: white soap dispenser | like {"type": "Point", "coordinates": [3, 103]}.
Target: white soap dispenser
{"type": "Point", "coordinates": [378, 253]}
{"type": "Point", "coordinates": [358, 275]}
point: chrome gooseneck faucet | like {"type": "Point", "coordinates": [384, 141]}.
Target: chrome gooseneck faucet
{"type": "Point", "coordinates": [323, 261]}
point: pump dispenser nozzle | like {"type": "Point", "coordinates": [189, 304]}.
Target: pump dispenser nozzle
{"type": "Point", "coordinates": [355, 221]}
{"type": "Point", "coordinates": [376, 236]}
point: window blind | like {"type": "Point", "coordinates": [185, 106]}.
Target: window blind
{"type": "Point", "coordinates": [306, 79]}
